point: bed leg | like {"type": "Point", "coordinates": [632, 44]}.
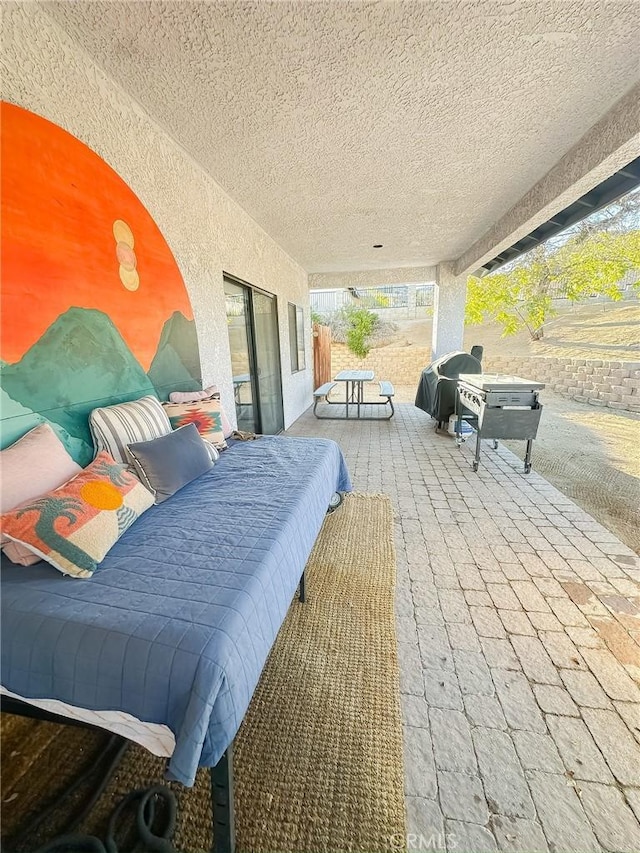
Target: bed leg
{"type": "Point", "coordinates": [303, 592]}
{"type": "Point", "coordinates": [224, 840]}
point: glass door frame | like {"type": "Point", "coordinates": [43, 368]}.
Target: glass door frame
{"type": "Point", "coordinates": [251, 343]}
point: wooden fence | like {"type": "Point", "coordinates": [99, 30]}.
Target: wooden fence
{"type": "Point", "coordinates": [321, 355]}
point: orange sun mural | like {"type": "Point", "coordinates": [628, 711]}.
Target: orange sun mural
{"type": "Point", "coordinates": [69, 228]}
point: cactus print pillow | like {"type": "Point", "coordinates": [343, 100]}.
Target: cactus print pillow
{"type": "Point", "coordinates": [74, 526]}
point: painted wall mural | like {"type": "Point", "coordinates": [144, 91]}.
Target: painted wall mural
{"type": "Point", "coordinates": [94, 309]}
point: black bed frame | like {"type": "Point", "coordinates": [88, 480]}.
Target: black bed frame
{"type": "Point", "coordinates": [221, 774]}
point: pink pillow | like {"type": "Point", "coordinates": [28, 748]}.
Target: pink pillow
{"type": "Point", "coordinates": [193, 396]}
{"type": "Point", "coordinates": [37, 463]}
{"type": "Point", "coordinates": [20, 554]}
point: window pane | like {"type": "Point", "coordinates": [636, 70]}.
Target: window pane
{"type": "Point", "coordinates": [300, 338]}
{"type": "Point", "coordinates": [293, 337]}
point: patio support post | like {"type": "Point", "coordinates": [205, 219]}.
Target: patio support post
{"type": "Point", "coordinates": [412, 300]}
{"type": "Point", "coordinates": [449, 298]}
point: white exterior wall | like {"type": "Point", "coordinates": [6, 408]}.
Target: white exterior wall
{"type": "Point", "coordinates": [207, 232]}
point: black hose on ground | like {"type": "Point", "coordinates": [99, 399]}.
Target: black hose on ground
{"type": "Point", "coordinates": [145, 802]}
{"type": "Point", "coordinates": [115, 745]}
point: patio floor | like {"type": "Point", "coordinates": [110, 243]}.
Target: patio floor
{"type": "Point", "coordinates": [518, 622]}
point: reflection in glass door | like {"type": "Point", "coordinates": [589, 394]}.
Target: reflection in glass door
{"type": "Point", "coordinates": [267, 347]}
{"type": "Point", "coordinates": [238, 312]}
{"type": "Point", "coordinates": [252, 321]}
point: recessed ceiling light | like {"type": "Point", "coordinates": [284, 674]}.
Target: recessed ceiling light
{"type": "Point", "coordinates": [377, 245]}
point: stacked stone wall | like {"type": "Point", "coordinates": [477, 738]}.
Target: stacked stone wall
{"type": "Point", "coordinates": [614, 384]}
{"type": "Point", "coordinates": [400, 365]}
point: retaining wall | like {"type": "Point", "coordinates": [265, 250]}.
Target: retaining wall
{"type": "Point", "coordinates": [614, 384]}
{"type": "Point", "coordinates": [400, 365]}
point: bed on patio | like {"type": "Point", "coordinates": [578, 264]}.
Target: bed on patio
{"type": "Point", "coordinates": [176, 624]}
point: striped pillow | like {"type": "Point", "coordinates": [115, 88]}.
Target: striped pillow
{"type": "Point", "coordinates": [114, 427]}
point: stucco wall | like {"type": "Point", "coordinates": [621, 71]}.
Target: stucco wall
{"type": "Point", "coordinates": [208, 233]}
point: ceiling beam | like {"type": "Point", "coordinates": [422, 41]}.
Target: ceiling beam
{"type": "Point", "coordinates": [371, 278]}
{"type": "Point", "coordinates": [611, 189]}
{"type": "Point", "coordinates": [610, 145]}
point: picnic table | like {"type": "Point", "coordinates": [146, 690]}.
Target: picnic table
{"type": "Point", "coordinates": [354, 386]}
{"type": "Point", "coordinates": [354, 381]}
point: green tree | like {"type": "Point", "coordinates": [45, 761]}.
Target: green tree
{"type": "Point", "coordinates": [361, 323]}
{"type": "Point", "coordinates": [591, 261]}
{"type": "Point", "coordinates": [355, 327]}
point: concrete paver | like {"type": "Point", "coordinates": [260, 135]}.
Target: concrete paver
{"type": "Point", "coordinates": [537, 752]}
{"type": "Point", "coordinates": [469, 836]}
{"type": "Point", "coordinates": [427, 826]}
{"type": "Point", "coordinates": [564, 822]}
{"type": "Point", "coordinates": [518, 701]}
{"type": "Point", "coordinates": [555, 700]}
{"type": "Point", "coordinates": [616, 743]}
{"type": "Point", "coordinates": [518, 622]}
{"type": "Point", "coordinates": [581, 756]}
{"type": "Point", "coordinates": [601, 803]}
{"type": "Point", "coordinates": [516, 835]}
{"type": "Point", "coordinates": [502, 776]}
{"type": "Point", "coordinates": [462, 797]}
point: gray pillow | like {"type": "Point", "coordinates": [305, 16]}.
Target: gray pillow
{"type": "Point", "coordinates": [168, 463]}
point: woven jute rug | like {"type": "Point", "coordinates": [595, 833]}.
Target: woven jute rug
{"type": "Point", "coordinates": [318, 759]}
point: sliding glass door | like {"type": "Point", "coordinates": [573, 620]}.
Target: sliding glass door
{"type": "Point", "coordinates": [252, 321]}
{"type": "Point", "coordinates": [242, 363]}
{"type": "Point", "coordinates": [269, 378]}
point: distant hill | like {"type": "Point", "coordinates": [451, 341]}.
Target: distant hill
{"type": "Point", "coordinates": [16, 421]}
{"type": "Point", "coordinates": [176, 365]}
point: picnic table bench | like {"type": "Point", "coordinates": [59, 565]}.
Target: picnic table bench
{"type": "Point", "coordinates": [354, 396]}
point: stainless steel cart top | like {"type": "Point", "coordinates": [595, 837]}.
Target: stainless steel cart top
{"type": "Point", "coordinates": [499, 382]}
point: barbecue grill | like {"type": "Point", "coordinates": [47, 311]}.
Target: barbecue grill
{"type": "Point", "coordinates": [436, 393]}
{"type": "Point", "coordinates": [504, 407]}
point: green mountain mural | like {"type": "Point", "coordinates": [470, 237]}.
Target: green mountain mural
{"type": "Point", "coordinates": [176, 364]}
{"type": "Point", "coordinates": [16, 419]}
{"type": "Point", "coordinates": [82, 362]}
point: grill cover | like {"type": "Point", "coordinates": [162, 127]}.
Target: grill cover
{"type": "Point", "coordinates": [436, 392]}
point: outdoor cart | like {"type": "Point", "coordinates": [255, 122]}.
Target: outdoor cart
{"type": "Point", "coordinates": [496, 406]}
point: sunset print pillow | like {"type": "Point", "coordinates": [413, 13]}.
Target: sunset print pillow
{"type": "Point", "coordinates": [74, 526]}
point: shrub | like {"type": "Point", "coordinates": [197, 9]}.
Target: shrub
{"type": "Point", "coordinates": [360, 326]}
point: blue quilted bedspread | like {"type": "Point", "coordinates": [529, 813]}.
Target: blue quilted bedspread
{"type": "Point", "coordinates": [177, 622]}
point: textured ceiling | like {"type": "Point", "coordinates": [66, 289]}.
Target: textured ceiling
{"type": "Point", "coordinates": [338, 125]}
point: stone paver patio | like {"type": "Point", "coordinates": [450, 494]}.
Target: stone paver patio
{"type": "Point", "coordinates": [518, 624]}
